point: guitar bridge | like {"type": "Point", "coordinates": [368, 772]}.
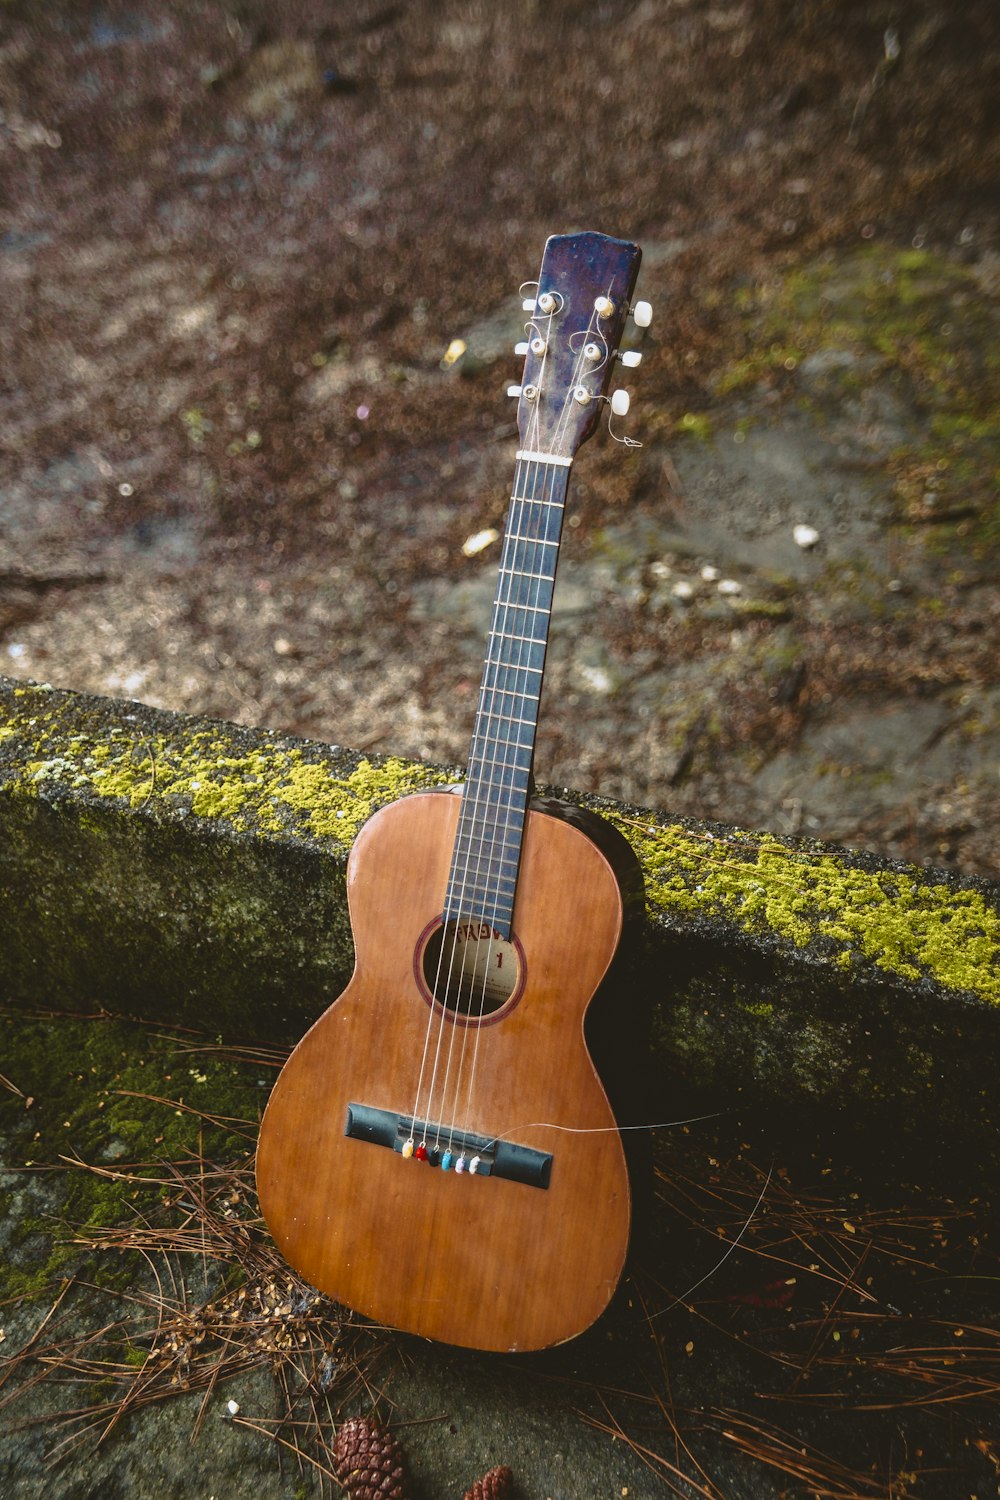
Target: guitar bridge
{"type": "Point", "coordinates": [479, 1155]}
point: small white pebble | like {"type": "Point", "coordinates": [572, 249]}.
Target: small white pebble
{"type": "Point", "coordinates": [730, 586]}
{"type": "Point", "coordinates": [709, 573]}
{"type": "Point", "coordinates": [16, 650]}
{"type": "Point", "coordinates": [479, 541]}
{"type": "Point", "coordinates": [805, 536]}
{"type": "Point", "coordinates": [682, 589]}
{"type": "Point", "coordinates": [232, 1407]}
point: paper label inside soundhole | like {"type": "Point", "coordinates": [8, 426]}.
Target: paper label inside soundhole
{"type": "Point", "coordinates": [470, 969]}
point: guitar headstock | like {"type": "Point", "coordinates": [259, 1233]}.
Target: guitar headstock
{"type": "Point", "coordinates": [577, 318]}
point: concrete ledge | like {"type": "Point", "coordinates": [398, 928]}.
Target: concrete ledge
{"type": "Point", "coordinates": [193, 871]}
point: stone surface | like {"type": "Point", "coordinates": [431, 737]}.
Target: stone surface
{"type": "Point", "coordinates": [192, 871]}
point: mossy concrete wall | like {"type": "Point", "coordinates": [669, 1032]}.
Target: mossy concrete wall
{"type": "Point", "coordinates": [193, 871]}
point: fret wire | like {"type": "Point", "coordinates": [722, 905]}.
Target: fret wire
{"type": "Point", "coordinates": [488, 713]}
{"type": "Point", "coordinates": [485, 793]}
{"type": "Point", "coordinates": [487, 887]}
{"type": "Point", "coordinates": [509, 666]}
{"type": "Point", "coordinates": [531, 541]}
{"type": "Point", "coordinates": [517, 780]}
{"type": "Point", "coordinates": [499, 860]}
{"type": "Point", "coordinates": [499, 739]}
{"type": "Point", "coordinates": [512, 693]}
{"type": "Point", "coordinates": [536, 609]}
{"type": "Point", "coordinates": [507, 719]}
{"type": "Point", "coordinates": [486, 880]}
{"type": "Point", "coordinates": [531, 500]}
{"type": "Point", "coordinates": [532, 640]}
{"type": "Point", "coordinates": [483, 758]}
{"type": "Point", "coordinates": [480, 811]}
{"type": "Point", "coordinates": [521, 573]}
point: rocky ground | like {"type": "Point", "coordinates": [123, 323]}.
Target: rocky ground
{"type": "Point", "coordinates": [237, 477]}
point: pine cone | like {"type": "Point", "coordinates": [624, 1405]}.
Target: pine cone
{"type": "Point", "coordinates": [496, 1485]}
{"type": "Point", "coordinates": [369, 1461]}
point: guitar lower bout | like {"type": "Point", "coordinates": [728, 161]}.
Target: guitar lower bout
{"type": "Point", "coordinates": [525, 1248]}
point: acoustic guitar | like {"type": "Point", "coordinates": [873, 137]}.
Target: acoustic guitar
{"type": "Point", "coordinates": [439, 1152]}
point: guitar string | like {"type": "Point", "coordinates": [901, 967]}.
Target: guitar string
{"type": "Point", "coordinates": [514, 1130]}
{"type": "Point", "coordinates": [466, 812]}
{"type": "Point", "coordinates": [557, 436]}
{"type": "Point", "coordinates": [482, 803]}
{"type": "Point", "coordinates": [479, 806]}
{"type": "Point", "coordinates": [526, 518]}
{"type": "Point", "coordinates": [524, 531]}
{"type": "Point", "coordinates": [525, 485]}
{"type": "Point", "coordinates": [559, 433]}
{"type": "Point", "coordinates": [660, 1312]}
{"type": "Point", "coordinates": [466, 820]}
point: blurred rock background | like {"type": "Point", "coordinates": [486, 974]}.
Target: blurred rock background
{"type": "Point", "coordinates": [237, 474]}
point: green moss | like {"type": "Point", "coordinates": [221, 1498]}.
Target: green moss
{"type": "Point", "coordinates": [894, 921]}
{"type": "Point", "coordinates": [696, 424]}
{"type": "Point", "coordinates": [266, 789]}
{"type": "Point", "coordinates": [911, 320]}
{"type": "Point", "coordinates": [117, 1096]}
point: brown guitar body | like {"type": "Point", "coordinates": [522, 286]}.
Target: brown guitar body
{"type": "Point", "coordinates": [482, 1262]}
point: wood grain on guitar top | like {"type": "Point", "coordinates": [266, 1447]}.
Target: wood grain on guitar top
{"type": "Point", "coordinates": [476, 1261]}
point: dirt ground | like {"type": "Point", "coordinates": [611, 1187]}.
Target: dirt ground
{"type": "Point", "coordinates": [236, 477]}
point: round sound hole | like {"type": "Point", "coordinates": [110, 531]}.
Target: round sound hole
{"type": "Point", "coordinates": [470, 969]}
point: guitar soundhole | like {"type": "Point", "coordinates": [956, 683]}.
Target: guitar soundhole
{"type": "Point", "coordinates": [467, 967]}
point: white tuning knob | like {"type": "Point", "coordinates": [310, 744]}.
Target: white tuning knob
{"type": "Point", "coordinates": [522, 347]}
{"type": "Point", "coordinates": [528, 305]}
{"type": "Point", "coordinates": [620, 402]}
{"type": "Point", "coordinates": [643, 314]}
{"type": "Point", "coordinates": [630, 358]}
{"type": "Point", "coordinates": [513, 390]}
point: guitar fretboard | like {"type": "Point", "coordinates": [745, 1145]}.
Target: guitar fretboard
{"type": "Point", "coordinates": [483, 876]}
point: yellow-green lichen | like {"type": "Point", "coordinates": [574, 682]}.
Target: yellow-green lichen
{"type": "Point", "coordinates": [266, 789]}
{"type": "Point", "coordinates": [895, 920]}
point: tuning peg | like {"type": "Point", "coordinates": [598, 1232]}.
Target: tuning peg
{"type": "Point", "coordinates": [528, 305]}
{"type": "Point", "coordinates": [630, 358]}
{"type": "Point", "coordinates": [620, 402]}
{"type": "Point", "coordinates": [522, 347]}
{"type": "Point", "coordinates": [643, 314]}
{"type": "Point", "coordinates": [514, 390]}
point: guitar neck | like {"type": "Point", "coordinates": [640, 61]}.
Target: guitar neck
{"type": "Point", "coordinates": [483, 876]}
